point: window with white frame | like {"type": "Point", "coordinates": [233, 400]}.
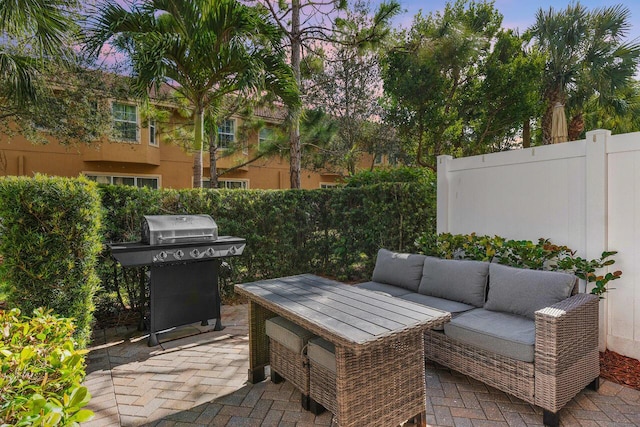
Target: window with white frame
{"type": "Point", "coordinates": [226, 133]}
{"type": "Point", "coordinates": [134, 181]}
{"type": "Point", "coordinates": [125, 121]}
{"type": "Point", "coordinates": [378, 159]}
{"type": "Point", "coordinates": [265, 134]}
{"type": "Point", "coordinates": [229, 184]}
{"type": "Point", "coordinates": [153, 136]}
{"type": "Point", "coordinates": [329, 184]}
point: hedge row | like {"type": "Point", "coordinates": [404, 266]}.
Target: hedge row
{"type": "Point", "coordinates": [50, 239]}
{"type": "Point", "coordinates": [52, 232]}
{"type": "Point", "coordinates": [334, 232]}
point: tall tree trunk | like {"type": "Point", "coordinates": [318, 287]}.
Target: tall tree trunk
{"type": "Point", "coordinates": [526, 133]}
{"type": "Point", "coordinates": [198, 121]}
{"type": "Point", "coordinates": [213, 159]}
{"type": "Point", "coordinates": [547, 121]}
{"type": "Point", "coordinates": [295, 152]}
{"type": "Point", "coordinates": [576, 126]}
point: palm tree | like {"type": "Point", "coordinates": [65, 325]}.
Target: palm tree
{"type": "Point", "coordinates": [32, 31]}
{"type": "Point", "coordinates": [204, 49]}
{"type": "Point", "coordinates": [586, 58]}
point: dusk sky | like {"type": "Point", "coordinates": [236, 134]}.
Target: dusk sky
{"type": "Point", "coordinates": [517, 13]}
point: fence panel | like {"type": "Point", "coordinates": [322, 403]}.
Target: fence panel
{"type": "Point", "coordinates": [623, 302]}
{"type": "Point", "coordinates": [583, 194]}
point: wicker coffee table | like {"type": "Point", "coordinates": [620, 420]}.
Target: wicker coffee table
{"type": "Point", "coordinates": [379, 345]}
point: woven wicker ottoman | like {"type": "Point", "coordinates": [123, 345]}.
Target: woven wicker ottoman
{"type": "Point", "coordinates": [322, 375]}
{"type": "Point", "coordinates": [288, 358]}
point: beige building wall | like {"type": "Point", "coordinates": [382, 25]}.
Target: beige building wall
{"type": "Point", "coordinates": [138, 162]}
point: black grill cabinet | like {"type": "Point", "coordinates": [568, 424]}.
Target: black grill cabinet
{"type": "Point", "coordinates": [184, 253]}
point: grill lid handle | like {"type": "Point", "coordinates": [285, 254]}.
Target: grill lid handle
{"type": "Point", "coordinates": [185, 237]}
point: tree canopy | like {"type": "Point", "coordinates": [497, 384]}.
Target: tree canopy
{"type": "Point", "coordinates": [457, 83]}
{"type": "Point", "coordinates": [345, 84]}
{"type": "Point", "coordinates": [306, 22]}
{"type": "Point", "coordinates": [46, 89]}
{"type": "Point", "coordinates": [587, 59]}
{"type": "Point", "coordinates": [34, 32]}
{"type": "Point", "coordinates": [203, 49]}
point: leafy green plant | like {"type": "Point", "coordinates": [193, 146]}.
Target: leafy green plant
{"type": "Point", "coordinates": [335, 232]}
{"type": "Point", "coordinates": [397, 174]}
{"type": "Point", "coordinates": [586, 270]}
{"type": "Point", "coordinates": [50, 231]}
{"type": "Point", "coordinates": [41, 371]}
{"type": "Point", "coordinates": [542, 255]}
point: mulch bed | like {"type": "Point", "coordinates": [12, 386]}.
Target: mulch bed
{"type": "Point", "coordinates": [620, 369]}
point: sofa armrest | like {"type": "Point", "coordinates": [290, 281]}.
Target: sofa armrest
{"type": "Point", "coordinates": [566, 350]}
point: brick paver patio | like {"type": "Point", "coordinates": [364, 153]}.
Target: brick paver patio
{"type": "Point", "coordinates": [200, 380]}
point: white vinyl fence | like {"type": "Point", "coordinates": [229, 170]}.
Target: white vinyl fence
{"type": "Point", "coordinates": [582, 194]}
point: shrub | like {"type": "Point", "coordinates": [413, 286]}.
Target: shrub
{"type": "Point", "coordinates": [41, 371]}
{"type": "Point", "coordinates": [519, 253]}
{"type": "Point", "coordinates": [50, 230]}
{"type": "Point", "coordinates": [335, 232]}
{"type": "Point", "coordinates": [401, 174]}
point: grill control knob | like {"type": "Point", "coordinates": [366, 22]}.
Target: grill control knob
{"type": "Point", "coordinates": [211, 252]}
{"type": "Point", "coordinates": [195, 253]}
{"type": "Point", "coordinates": [178, 254]}
{"type": "Point", "coordinates": [162, 255]}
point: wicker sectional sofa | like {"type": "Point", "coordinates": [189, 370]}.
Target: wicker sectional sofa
{"type": "Point", "coordinates": [528, 333]}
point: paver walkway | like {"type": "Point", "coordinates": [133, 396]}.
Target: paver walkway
{"type": "Point", "coordinates": [200, 380]}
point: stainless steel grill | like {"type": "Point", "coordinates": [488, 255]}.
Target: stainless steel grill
{"type": "Point", "coordinates": [169, 229]}
{"type": "Point", "coordinates": [184, 254]}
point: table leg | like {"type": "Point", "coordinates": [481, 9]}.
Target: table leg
{"type": "Point", "coordinates": [258, 342]}
{"type": "Point", "coordinates": [420, 420]}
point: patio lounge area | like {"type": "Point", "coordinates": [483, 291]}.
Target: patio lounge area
{"type": "Point", "coordinates": [201, 379]}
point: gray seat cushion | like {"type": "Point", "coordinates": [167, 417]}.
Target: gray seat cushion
{"type": "Point", "coordinates": [322, 352]}
{"type": "Point", "coordinates": [523, 292]}
{"type": "Point", "coordinates": [456, 280]}
{"type": "Point", "coordinates": [287, 333]}
{"type": "Point", "coordinates": [453, 307]}
{"type": "Point", "coordinates": [404, 270]}
{"type": "Point", "coordinates": [384, 288]}
{"type": "Point", "coordinates": [503, 333]}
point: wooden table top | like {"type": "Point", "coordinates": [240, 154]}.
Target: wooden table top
{"type": "Point", "coordinates": [342, 314]}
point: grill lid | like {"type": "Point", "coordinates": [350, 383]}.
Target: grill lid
{"type": "Point", "coordinates": [170, 229]}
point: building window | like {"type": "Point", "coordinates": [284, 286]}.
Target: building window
{"type": "Point", "coordinates": [229, 184]}
{"type": "Point", "coordinates": [153, 137]}
{"type": "Point", "coordinates": [134, 181]}
{"type": "Point", "coordinates": [265, 134]}
{"type": "Point", "coordinates": [226, 133]}
{"type": "Point", "coordinates": [378, 159]}
{"type": "Point", "coordinates": [329, 185]}
{"type": "Point", "coordinates": [233, 184]}
{"type": "Point", "coordinates": [125, 121]}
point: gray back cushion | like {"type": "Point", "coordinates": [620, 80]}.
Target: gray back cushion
{"type": "Point", "coordinates": [456, 280]}
{"type": "Point", "coordinates": [397, 269]}
{"type": "Point", "coordinates": [521, 291]}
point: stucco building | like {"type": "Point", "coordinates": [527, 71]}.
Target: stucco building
{"type": "Point", "coordinates": [142, 157]}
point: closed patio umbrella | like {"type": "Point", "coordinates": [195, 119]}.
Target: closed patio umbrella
{"type": "Point", "coordinates": [559, 131]}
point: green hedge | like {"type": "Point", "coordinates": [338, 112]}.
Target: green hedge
{"type": "Point", "coordinates": [50, 239]}
{"type": "Point", "coordinates": [335, 232]}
